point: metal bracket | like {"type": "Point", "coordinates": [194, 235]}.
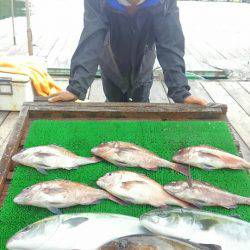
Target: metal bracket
{"type": "Point", "coordinates": [6, 86]}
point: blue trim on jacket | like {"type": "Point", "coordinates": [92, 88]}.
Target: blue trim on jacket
{"type": "Point", "coordinates": [116, 5]}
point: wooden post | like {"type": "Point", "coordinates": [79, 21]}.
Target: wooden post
{"type": "Point", "coordinates": [13, 22]}
{"type": "Point", "coordinates": [29, 31]}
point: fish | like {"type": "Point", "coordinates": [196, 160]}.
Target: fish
{"type": "Point", "coordinates": [125, 154]}
{"type": "Point", "coordinates": [44, 158]}
{"type": "Point", "coordinates": [80, 231]}
{"type": "Point", "coordinates": [209, 158]}
{"type": "Point", "coordinates": [154, 242]}
{"type": "Point", "coordinates": [199, 227]}
{"type": "Point", "coordinates": [204, 194]}
{"type": "Point", "coordinates": [137, 188]}
{"type": "Point", "coordinates": [61, 194]}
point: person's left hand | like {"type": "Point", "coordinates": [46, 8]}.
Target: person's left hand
{"type": "Point", "coordinates": [195, 100]}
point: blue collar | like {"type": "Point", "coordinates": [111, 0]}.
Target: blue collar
{"type": "Point", "coordinates": [117, 6]}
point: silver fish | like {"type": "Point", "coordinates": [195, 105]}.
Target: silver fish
{"type": "Point", "coordinates": [199, 227]}
{"type": "Point", "coordinates": [49, 157]}
{"type": "Point", "coordinates": [204, 194]}
{"type": "Point", "coordinates": [61, 194]}
{"type": "Point", "coordinates": [138, 189]}
{"type": "Point", "coordinates": [210, 158]}
{"type": "Point", "coordinates": [86, 231]}
{"type": "Point", "coordinates": [154, 242]}
{"type": "Point", "coordinates": [124, 154]}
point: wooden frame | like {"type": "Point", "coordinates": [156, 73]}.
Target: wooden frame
{"type": "Point", "coordinates": [97, 111]}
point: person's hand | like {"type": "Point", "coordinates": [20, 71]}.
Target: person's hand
{"type": "Point", "coordinates": [195, 100]}
{"type": "Point", "coordinates": [64, 96]}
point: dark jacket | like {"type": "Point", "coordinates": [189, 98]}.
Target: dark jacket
{"type": "Point", "coordinates": [124, 46]}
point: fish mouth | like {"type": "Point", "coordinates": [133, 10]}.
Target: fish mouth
{"type": "Point", "coordinates": [18, 200]}
{"type": "Point", "coordinates": [10, 244]}
{"type": "Point", "coordinates": [100, 182]}
{"type": "Point", "coordinates": [94, 150]}
{"type": "Point", "coordinates": [15, 158]}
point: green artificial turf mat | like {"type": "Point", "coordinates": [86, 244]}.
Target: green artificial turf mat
{"type": "Point", "coordinates": [163, 138]}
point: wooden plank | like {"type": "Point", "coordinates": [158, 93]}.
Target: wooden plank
{"type": "Point", "coordinates": [6, 128]}
{"type": "Point", "coordinates": [96, 92]}
{"type": "Point", "coordinates": [198, 90]}
{"type": "Point", "coordinates": [236, 115]}
{"type": "Point", "coordinates": [157, 93]}
{"type": "Point", "coordinates": [3, 115]}
{"type": "Point", "coordinates": [13, 145]}
{"type": "Point", "coordinates": [242, 145]}
{"type": "Point", "coordinates": [125, 111]}
{"type": "Point", "coordinates": [246, 86]}
{"type": "Point", "coordinates": [239, 94]}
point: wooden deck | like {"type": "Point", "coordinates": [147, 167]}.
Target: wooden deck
{"type": "Point", "coordinates": [235, 94]}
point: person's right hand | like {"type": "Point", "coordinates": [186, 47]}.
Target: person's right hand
{"type": "Point", "coordinates": [64, 96]}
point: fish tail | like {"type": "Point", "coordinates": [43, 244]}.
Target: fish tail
{"type": "Point", "coordinates": [247, 165]}
{"type": "Point", "coordinates": [181, 169]}
{"type": "Point", "coordinates": [116, 200]}
{"type": "Point", "coordinates": [244, 201]}
{"type": "Point", "coordinates": [90, 160]}
{"type": "Point", "coordinates": [94, 159]}
{"type": "Point", "coordinates": [176, 166]}
{"type": "Point", "coordinates": [172, 200]}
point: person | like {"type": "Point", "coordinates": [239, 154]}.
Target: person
{"type": "Point", "coordinates": [123, 37]}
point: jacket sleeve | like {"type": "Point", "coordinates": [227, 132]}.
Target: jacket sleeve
{"type": "Point", "coordinates": [170, 51]}
{"type": "Point", "coordinates": [85, 60]}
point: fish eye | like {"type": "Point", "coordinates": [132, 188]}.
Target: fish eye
{"type": "Point", "coordinates": [109, 174]}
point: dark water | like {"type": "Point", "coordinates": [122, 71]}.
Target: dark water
{"type": "Point", "coordinates": [5, 8]}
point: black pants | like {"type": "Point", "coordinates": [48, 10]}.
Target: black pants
{"type": "Point", "coordinates": [114, 94]}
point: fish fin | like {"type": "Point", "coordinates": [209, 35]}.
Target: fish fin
{"type": "Point", "coordinates": [190, 205]}
{"type": "Point", "coordinates": [74, 222]}
{"type": "Point", "coordinates": [206, 154]}
{"type": "Point", "coordinates": [209, 247]}
{"type": "Point", "coordinates": [95, 202]}
{"type": "Point", "coordinates": [164, 206]}
{"type": "Point", "coordinates": [117, 200]}
{"type": "Point", "coordinates": [43, 155]}
{"type": "Point", "coordinates": [54, 210]}
{"type": "Point", "coordinates": [41, 170]}
{"type": "Point", "coordinates": [130, 184]}
{"type": "Point", "coordinates": [150, 167]}
{"type": "Point", "coordinates": [237, 216]}
{"type": "Point", "coordinates": [206, 224]}
{"type": "Point", "coordinates": [181, 169]}
{"type": "Point", "coordinates": [232, 206]}
{"type": "Point", "coordinates": [189, 178]}
{"type": "Point", "coordinates": [53, 190]}
{"type": "Point", "coordinates": [207, 167]}
{"type": "Point", "coordinates": [198, 203]}
{"type": "Point", "coordinates": [121, 163]}
{"type": "Point", "coordinates": [75, 167]}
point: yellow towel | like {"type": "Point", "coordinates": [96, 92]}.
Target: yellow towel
{"type": "Point", "coordinates": [41, 80]}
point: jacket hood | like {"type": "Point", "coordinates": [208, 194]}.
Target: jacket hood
{"type": "Point", "coordinates": [121, 4]}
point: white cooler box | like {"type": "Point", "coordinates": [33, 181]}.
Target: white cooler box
{"type": "Point", "coordinates": [14, 91]}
